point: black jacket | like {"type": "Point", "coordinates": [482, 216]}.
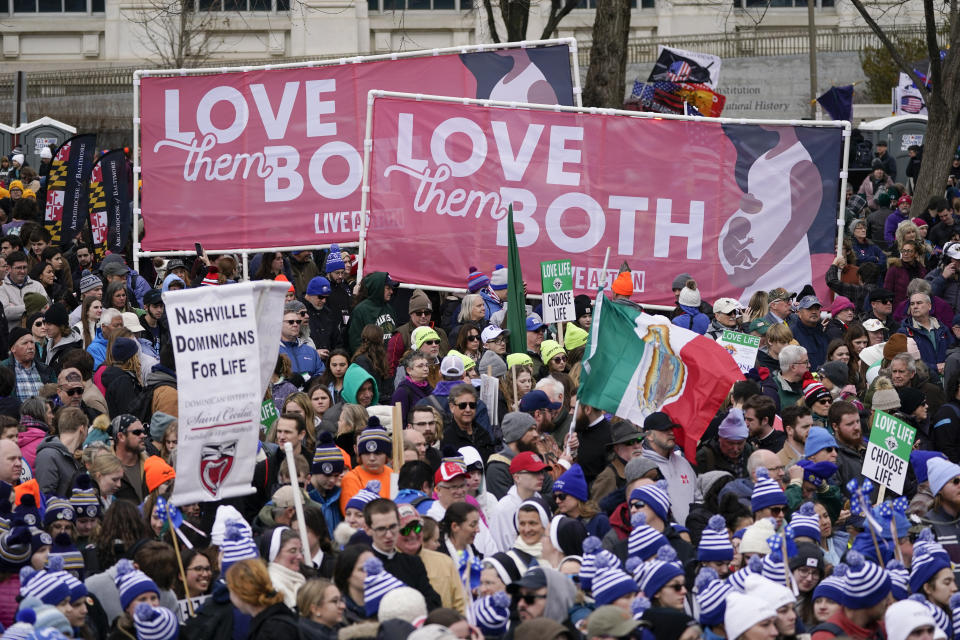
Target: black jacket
{"type": "Point", "coordinates": [273, 623]}
{"type": "Point", "coordinates": [479, 439]}
{"type": "Point", "coordinates": [214, 619]}
{"type": "Point", "coordinates": [592, 454]}
{"type": "Point", "coordinates": [122, 388]}
{"type": "Point", "coordinates": [410, 570]}
{"type": "Point", "coordinates": [946, 430]}
{"type": "Point", "coordinates": [325, 327]}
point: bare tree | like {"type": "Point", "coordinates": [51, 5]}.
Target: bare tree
{"type": "Point", "coordinates": [941, 96]}
{"type": "Point", "coordinates": [607, 73]}
{"type": "Point", "coordinates": [178, 33]}
{"type": "Point", "coordinates": [516, 13]}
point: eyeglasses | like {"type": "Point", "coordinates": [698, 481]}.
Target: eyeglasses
{"type": "Point", "coordinates": [293, 322]}
{"type": "Point", "coordinates": [829, 449]}
{"type": "Point", "coordinates": [805, 363]}
{"type": "Point", "coordinates": [529, 598]}
{"type": "Point", "coordinates": [473, 337]}
{"type": "Point", "coordinates": [74, 391]}
{"type": "Point", "coordinates": [807, 572]}
{"type": "Point", "coordinates": [411, 529]}
{"type": "Point", "coordinates": [466, 405]}
{"type": "Point", "coordinates": [200, 569]}
{"type": "Point", "coordinates": [390, 529]}
{"type": "Point", "coordinates": [498, 340]}
{"type": "Point", "coordinates": [826, 401]}
{"type": "Point", "coordinates": [420, 313]}
{"type": "Point", "coordinates": [431, 342]}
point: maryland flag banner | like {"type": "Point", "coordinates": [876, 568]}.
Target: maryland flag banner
{"type": "Point", "coordinates": [110, 206]}
{"type": "Point", "coordinates": [67, 185]}
{"type": "Point", "coordinates": [636, 364]}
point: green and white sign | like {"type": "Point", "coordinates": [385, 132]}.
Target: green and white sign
{"type": "Point", "coordinates": [556, 278]}
{"type": "Point", "coordinates": [268, 415]}
{"type": "Point", "coordinates": [888, 453]}
{"type": "Point", "coordinates": [742, 347]}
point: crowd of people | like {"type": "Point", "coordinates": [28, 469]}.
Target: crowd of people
{"type": "Point", "coordinates": [513, 510]}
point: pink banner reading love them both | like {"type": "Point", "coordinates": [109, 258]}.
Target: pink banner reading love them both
{"type": "Point", "coordinates": [741, 207]}
{"type": "Point", "coordinates": [274, 158]}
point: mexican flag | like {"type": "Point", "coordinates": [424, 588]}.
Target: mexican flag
{"type": "Point", "coordinates": [636, 364]}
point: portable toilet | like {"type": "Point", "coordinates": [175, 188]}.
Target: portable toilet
{"type": "Point", "coordinates": [6, 138]}
{"type": "Point", "coordinates": [900, 132]}
{"type": "Point", "coordinates": [45, 132]}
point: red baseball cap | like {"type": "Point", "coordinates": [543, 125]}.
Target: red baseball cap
{"type": "Point", "coordinates": [448, 471]}
{"type": "Point", "coordinates": [527, 461]}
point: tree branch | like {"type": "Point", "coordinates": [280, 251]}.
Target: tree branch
{"type": "Point", "coordinates": [556, 16]}
{"type": "Point", "coordinates": [491, 23]}
{"type": "Point", "coordinates": [930, 20]}
{"type": "Point", "coordinates": [892, 48]}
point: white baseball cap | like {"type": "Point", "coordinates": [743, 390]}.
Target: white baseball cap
{"type": "Point", "coordinates": [952, 250]}
{"type": "Point", "coordinates": [452, 367]}
{"type": "Point", "coordinates": [873, 325]}
{"type": "Point", "coordinates": [492, 332]}
{"type": "Point", "coordinates": [726, 305]}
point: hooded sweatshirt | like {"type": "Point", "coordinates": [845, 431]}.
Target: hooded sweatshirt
{"type": "Point", "coordinates": [353, 379]}
{"type": "Point", "coordinates": [681, 479]}
{"type": "Point", "coordinates": [373, 310]}
{"type": "Point", "coordinates": [169, 279]}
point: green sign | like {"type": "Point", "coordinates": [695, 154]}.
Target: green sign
{"type": "Point", "coordinates": [268, 415]}
{"type": "Point", "coordinates": [742, 347]}
{"type": "Point", "coordinates": [556, 279]}
{"type": "Point", "coordinates": [888, 453]}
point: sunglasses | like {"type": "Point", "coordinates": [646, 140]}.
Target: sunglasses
{"type": "Point", "coordinates": [560, 359]}
{"type": "Point", "coordinates": [431, 342]}
{"type": "Point", "coordinates": [638, 504]}
{"type": "Point", "coordinates": [38, 323]}
{"type": "Point", "coordinates": [473, 337]}
{"type": "Point", "coordinates": [136, 432]}
{"type": "Point", "coordinates": [677, 586]}
{"type": "Point", "coordinates": [829, 449]}
{"type": "Point", "coordinates": [411, 529]}
{"type": "Point", "coordinates": [559, 497]}
{"type": "Point", "coordinates": [75, 391]}
{"type": "Point", "coordinates": [529, 598]}
{"type": "Point", "coordinates": [776, 511]}
{"type": "Point", "coordinates": [294, 322]}
{"type": "Point", "coordinates": [420, 313]}
{"type": "Point", "coordinates": [464, 405]}
{"type": "Point", "coordinates": [955, 481]}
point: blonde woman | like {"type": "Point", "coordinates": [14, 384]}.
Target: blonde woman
{"type": "Point", "coordinates": [107, 474]}
{"type": "Point", "coordinates": [353, 420]}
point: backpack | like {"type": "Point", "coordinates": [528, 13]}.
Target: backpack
{"type": "Point", "coordinates": [142, 406]}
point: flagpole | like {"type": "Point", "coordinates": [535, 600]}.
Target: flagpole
{"type": "Point", "coordinates": [183, 573]}
{"type": "Point", "coordinates": [298, 503]}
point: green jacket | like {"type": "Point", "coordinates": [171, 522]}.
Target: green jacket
{"type": "Point", "coordinates": [373, 310]}
{"type": "Point", "coordinates": [353, 379]}
{"type": "Point", "coordinates": [830, 498]}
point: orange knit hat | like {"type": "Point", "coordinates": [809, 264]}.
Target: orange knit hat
{"type": "Point", "coordinates": [156, 471]}
{"type": "Point", "coordinates": [623, 285]}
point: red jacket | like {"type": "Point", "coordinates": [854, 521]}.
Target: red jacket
{"type": "Point", "coordinates": [850, 630]}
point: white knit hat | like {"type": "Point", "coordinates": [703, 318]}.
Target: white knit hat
{"type": "Point", "coordinates": [744, 611]}
{"type": "Point", "coordinates": [776, 595]}
{"type": "Point", "coordinates": [405, 603]}
{"type": "Point", "coordinates": [755, 537]}
{"type": "Point", "coordinates": [689, 297]}
{"type": "Point", "coordinates": [904, 616]}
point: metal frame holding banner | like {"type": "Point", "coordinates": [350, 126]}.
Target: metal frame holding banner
{"type": "Point", "coordinates": [245, 251]}
{"type": "Point", "coordinates": [843, 126]}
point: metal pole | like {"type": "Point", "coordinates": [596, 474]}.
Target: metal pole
{"type": "Point", "coordinates": [812, 26]}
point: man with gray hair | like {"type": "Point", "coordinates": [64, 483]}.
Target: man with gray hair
{"type": "Point", "coordinates": [304, 359]}
{"type": "Point", "coordinates": [931, 336]}
{"type": "Point", "coordinates": [110, 321]}
{"type": "Point", "coordinates": [794, 363]}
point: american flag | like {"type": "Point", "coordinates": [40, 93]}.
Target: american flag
{"type": "Point", "coordinates": [911, 104]}
{"type": "Point", "coordinates": [666, 94]}
{"type": "Point", "coordinates": [679, 71]}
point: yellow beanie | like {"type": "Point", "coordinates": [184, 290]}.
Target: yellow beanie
{"type": "Point", "coordinates": [573, 336]}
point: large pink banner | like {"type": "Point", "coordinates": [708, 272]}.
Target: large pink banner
{"type": "Point", "coordinates": [740, 207]}
{"type": "Point", "coordinates": [274, 158]}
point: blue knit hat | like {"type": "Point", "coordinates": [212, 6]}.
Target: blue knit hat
{"type": "Point", "coordinates": [368, 494]}
{"type": "Point", "coordinates": [867, 583]}
{"type": "Point", "coordinates": [738, 579]}
{"type": "Point", "coordinates": [58, 510]}
{"type": "Point", "coordinates": [919, 459]}
{"type": "Point", "coordinates": [658, 572]}
{"type": "Point", "coordinates": [929, 557]}
{"type": "Point", "coordinates": [818, 439]}
{"type": "Point", "coordinates": [15, 549]}
{"type": "Point", "coordinates": [131, 583]}
{"type": "Point", "coordinates": [610, 583]}
{"type": "Point", "coordinates": [22, 628]}
{"type": "Point", "coordinates": [644, 540]}
{"type": "Point", "coordinates": [893, 510]}
{"type": "Point", "coordinates": [84, 499]}
{"type": "Point", "coordinates": [499, 281]}
{"type": "Point", "coordinates": [237, 545]}
{"type": "Point", "coordinates": [334, 260]}
{"type": "Point", "coordinates": [78, 590]}
{"type": "Point", "coordinates": [774, 564]}
{"type": "Point", "coordinates": [376, 585]}
{"type": "Point", "coordinates": [572, 482]}
{"type": "Point", "coordinates": [155, 623]}
{"type": "Point", "coordinates": [47, 585]}
{"type": "Point", "coordinates": [715, 545]}
{"type": "Point", "coordinates": [899, 579]}
{"type": "Point", "coordinates": [654, 496]}
{"type": "Point", "coordinates": [318, 286]}
{"type": "Point", "coordinates": [374, 439]}
{"type": "Point", "coordinates": [711, 597]}
{"type": "Point", "coordinates": [940, 472]}
{"type": "Point", "coordinates": [592, 551]}
{"type": "Point", "coordinates": [476, 280]}
{"type": "Point", "coordinates": [492, 613]}
{"type": "Point", "coordinates": [833, 586]}
{"type": "Point", "coordinates": [766, 492]}
{"type": "Point", "coordinates": [805, 522]}
{"type": "Point", "coordinates": [328, 458]}
{"type": "Point", "coordinates": [27, 512]}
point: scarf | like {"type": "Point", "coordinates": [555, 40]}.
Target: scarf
{"type": "Point", "coordinates": [468, 566]}
{"type": "Point", "coordinates": [287, 582]}
{"type": "Point", "coordinates": [535, 550]}
{"type": "Point", "coordinates": [422, 385]}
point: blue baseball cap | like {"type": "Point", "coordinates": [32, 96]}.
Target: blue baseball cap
{"type": "Point", "coordinates": [318, 286]}
{"type": "Point", "coordinates": [537, 399]}
{"type": "Point", "coordinates": [534, 323]}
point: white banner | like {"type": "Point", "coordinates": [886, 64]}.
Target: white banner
{"type": "Point", "coordinates": [225, 341]}
{"type": "Point", "coordinates": [908, 101]}
{"type": "Point", "coordinates": [681, 65]}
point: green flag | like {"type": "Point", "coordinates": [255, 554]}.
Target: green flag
{"type": "Point", "coordinates": [516, 303]}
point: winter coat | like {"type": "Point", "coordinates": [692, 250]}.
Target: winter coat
{"type": "Point", "coordinates": [56, 353]}
{"type": "Point", "coordinates": [325, 327]}
{"type": "Point", "coordinates": [931, 352]}
{"type": "Point", "coordinates": [445, 579]}
{"type": "Point", "coordinates": [498, 475]}
{"type": "Point", "coordinates": [215, 619]}
{"type": "Point", "coordinates": [310, 630]}
{"type": "Point", "coordinates": [400, 343]}
{"type": "Point", "coordinates": [353, 379]}
{"type": "Point", "coordinates": [480, 439]}
{"type": "Point", "coordinates": [899, 276]}
{"type": "Point", "coordinates": [890, 227]}
{"type": "Point", "coordinates": [372, 310]}
{"type": "Point", "coordinates": [681, 481]}
{"type": "Point", "coordinates": [868, 252]}
{"type": "Point", "coordinates": [850, 463]}
{"type": "Point", "coordinates": [710, 458]}
{"type": "Point", "coordinates": [947, 531]}
{"type": "Point", "coordinates": [30, 438]}
{"type": "Point", "coordinates": [867, 189]}
{"type": "Point", "coordinates": [122, 388]}
{"type": "Point", "coordinates": [273, 623]}
{"type": "Point", "coordinates": [163, 382]}
{"type": "Point", "coordinates": [55, 467]}
{"type": "Point", "coordinates": [813, 339]}
{"type": "Point", "coordinates": [949, 290]}
{"type": "Point", "coordinates": [9, 592]}
{"type": "Point", "coordinates": [946, 430]}
{"type": "Point", "coordinates": [408, 393]}
{"type": "Point", "coordinates": [691, 318]}
{"type": "Point", "coordinates": [11, 297]}
{"type": "Point", "coordinates": [876, 222]}
{"type": "Point", "coordinates": [941, 310]}
{"type": "Point", "coordinates": [303, 357]}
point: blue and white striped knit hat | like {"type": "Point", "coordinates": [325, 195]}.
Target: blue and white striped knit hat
{"type": "Point", "coordinates": [654, 496]}
{"type": "Point", "coordinates": [22, 628]}
{"type": "Point", "coordinates": [940, 616]}
{"type": "Point", "coordinates": [334, 260]}
{"type": "Point", "coordinates": [766, 492]}
{"type": "Point", "coordinates": [131, 582]}
{"type": "Point", "coordinates": [592, 550]}
{"type": "Point", "coordinates": [492, 613]}
{"type": "Point", "coordinates": [711, 597]}
{"type": "Point", "coordinates": [376, 585]}
{"type": "Point", "coordinates": [64, 548]}
{"type": "Point", "coordinates": [237, 545]}
{"type": "Point", "coordinates": [644, 540]}
{"type": "Point", "coordinates": [374, 439]}
{"type": "Point", "coordinates": [328, 458]}
{"type": "Point", "coordinates": [929, 558]}
{"type": "Point", "coordinates": [78, 590]}
{"type": "Point", "coordinates": [47, 585]}
{"type": "Point", "coordinates": [867, 583]}
{"type": "Point", "coordinates": [368, 494]}
{"type": "Point", "coordinates": [738, 579]}
{"type": "Point", "coordinates": [955, 612]}
{"type": "Point", "coordinates": [805, 522]}
{"type": "Point", "coordinates": [58, 510]}
{"type": "Point", "coordinates": [899, 579]}
{"type": "Point", "coordinates": [774, 566]}
{"type": "Point", "coordinates": [715, 545]}
{"type": "Point", "coordinates": [155, 623]}
{"type": "Point", "coordinates": [832, 586]}
{"type": "Point", "coordinates": [659, 571]}
{"type": "Point", "coordinates": [610, 583]}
